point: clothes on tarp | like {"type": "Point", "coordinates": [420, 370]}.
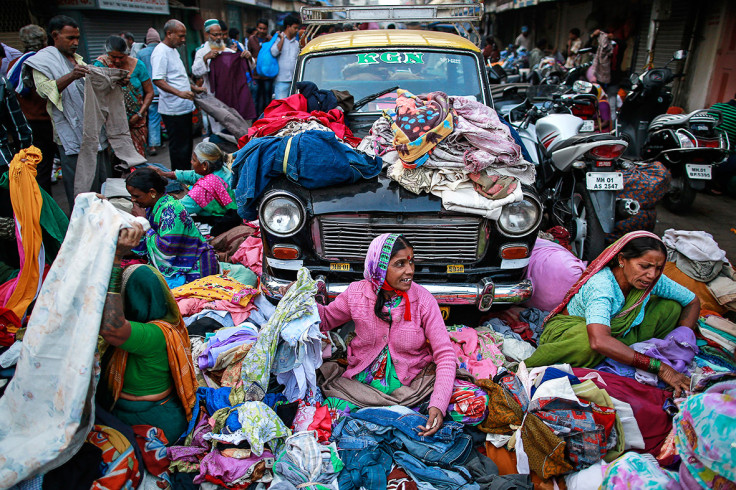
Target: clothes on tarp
{"type": "Point", "coordinates": [475, 353]}
{"type": "Point", "coordinates": [227, 243]}
{"type": "Point", "coordinates": [677, 350]}
{"type": "Point", "coordinates": [51, 352]}
{"type": "Point", "coordinates": [647, 403]}
{"type": "Point", "coordinates": [720, 330]}
{"type": "Point", "coordinates": [295, 108]}
{"type": "Point", "coordinates": [264, 159]}
{"type": "Point", "coordinates": [229, 83]}
{"type": "Point", "coordinates": [317, 100]}
{"type": "Point", "coordinates": [304, 461]}
{"type": "Point", "coordinates": [701, 290]}
{"type": "Point", "coordinates": [217, 288]}
{"type": "Point", "coordinates": [250, 254]}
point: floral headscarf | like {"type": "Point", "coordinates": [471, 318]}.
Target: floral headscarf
{"type": "Point", "coordinates": [377, 258]}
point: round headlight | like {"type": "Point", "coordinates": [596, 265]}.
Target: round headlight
{"type": "Point", "coordinates": [519, 218]}
{"type": "Point", "coordinates": [282, 215]}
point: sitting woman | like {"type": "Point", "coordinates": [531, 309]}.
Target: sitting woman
{"type": "Point", "coordinates": [150, 375]}
{"type": "Point", "coordinates": [400, 338]}
{"type": "Point", "coordinates": [137, 90]}
{"type": "Point", "coordinates": [211, 194]}
{"type": "Point", "coordinates": [173, 245]}
{"type": "Point", "coordinates": [621, 298]}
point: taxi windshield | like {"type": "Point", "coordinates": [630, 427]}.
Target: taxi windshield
{"type": "Point", "coordinates": [368, 72]}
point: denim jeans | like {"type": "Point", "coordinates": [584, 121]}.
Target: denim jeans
{"type": "Point", "coordinates": [365, 468]}
{"type": "Point", "coordinates": [437, 477]}
{"type": "Point", "coordinates": [281, 90]}
{"type": "Point", "coordinates": [154, 125]}
{"type": "Point", "coordinates": [444, 454]}
{"type": "Point", "coordinates": [408, 422]}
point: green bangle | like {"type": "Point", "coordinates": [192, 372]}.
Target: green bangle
{"type": "Point", "coordinates": [116, 280]}
{"type": "Point", "coordinates": [654, 366]}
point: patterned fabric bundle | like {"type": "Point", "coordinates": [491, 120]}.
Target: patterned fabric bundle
{"type": "Point", "coordinates": [120, 466]}
{"type": "Point", "coordinates": [419, 123]}
{"type": "Point", "coordinates": [217, 288]}
{"type": "Point", "coordinates": [297, 302]}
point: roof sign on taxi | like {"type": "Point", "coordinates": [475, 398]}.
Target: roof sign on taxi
{"type": "Point", "coordinates": [390, 57]}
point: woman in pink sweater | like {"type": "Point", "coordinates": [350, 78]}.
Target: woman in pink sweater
{"type": "Point", "coordinates": [399, 332]}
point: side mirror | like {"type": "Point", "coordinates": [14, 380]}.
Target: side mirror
{"type": "Point", "coordinates": [634, 78]}
{"type": "Point", "coordinates": [679, 54]}
{"type": "Point", "coordinates": [582, 87]}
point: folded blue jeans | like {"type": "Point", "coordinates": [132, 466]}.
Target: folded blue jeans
{"type": "Point", "coordinates": [437, 477]}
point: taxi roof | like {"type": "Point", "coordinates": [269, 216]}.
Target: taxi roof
{"type": "Point", "coordinates": [383, 38]}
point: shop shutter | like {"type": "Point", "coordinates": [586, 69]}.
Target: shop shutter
{"type": "Point", "coordinates": [673, 34]}
{"type": "Point", "coordinates": [99, 25]}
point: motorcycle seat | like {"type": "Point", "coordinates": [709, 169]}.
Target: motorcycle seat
{"type": "Point", "coordinates": [585, 138]}
{"type": "Point", "coordinates": [668, 120]}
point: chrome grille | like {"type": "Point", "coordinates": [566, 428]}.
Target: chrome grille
{"type": "Point", "coordinates": [346, 238]}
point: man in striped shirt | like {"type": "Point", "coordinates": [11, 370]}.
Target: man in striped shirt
{"type": "Point", "coordinates": [12, 123]}
{"type": "Point", "coordinates": [724, 175]}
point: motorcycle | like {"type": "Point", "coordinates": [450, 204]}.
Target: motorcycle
{"type": "Point", "coordinates": [578, 171]}
{"type": "Point", "coordinates": [687, 144]}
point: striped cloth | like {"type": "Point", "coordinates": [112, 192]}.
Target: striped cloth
{"type": "Point", "coordinates": [728, 110]}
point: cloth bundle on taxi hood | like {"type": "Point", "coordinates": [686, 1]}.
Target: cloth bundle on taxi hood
{"type": "Point", "coordinates": [419, 123]}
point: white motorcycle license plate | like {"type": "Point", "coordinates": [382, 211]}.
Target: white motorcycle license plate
{"type": "Point", "coordinates": [605, 181]}
{"type": "Point", "coordinates": [699, 172]}
{"type": "Point", "coordinates": [588, 126]}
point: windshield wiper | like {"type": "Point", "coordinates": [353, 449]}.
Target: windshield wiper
{"type": "Point", "coordinates": [372, 97]}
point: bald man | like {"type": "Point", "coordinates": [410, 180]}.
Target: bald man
{"type": "Point", "coordinates": [176, 93]}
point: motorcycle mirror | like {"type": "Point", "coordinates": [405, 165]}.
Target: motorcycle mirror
{"type": "Point", "coordinates": [582, 87]}
{"type": "Point", "coordinates": [680, 54]}
{"type": "Point", "coordinates": [634, 78]}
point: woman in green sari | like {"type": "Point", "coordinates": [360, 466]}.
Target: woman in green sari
{"type": "Point", "coordinates": [173, 245]}
{"type": "Point", "coordinates": [621, 298]}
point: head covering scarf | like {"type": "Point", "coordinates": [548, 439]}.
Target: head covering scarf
{"type": "Point", "coordinates": [152, 36]}
{"type": "Point", "coordinates": [210, 23]}
{"type": "Point", "coordinates": [148, 299]}
{"type": "Point", "coordinates": [376, 264]}
{"type": "Point", "coordinates": [598, 264]}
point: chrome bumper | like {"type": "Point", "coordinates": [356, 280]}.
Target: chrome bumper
{"type": "Point", "coordinates": [483, 294]}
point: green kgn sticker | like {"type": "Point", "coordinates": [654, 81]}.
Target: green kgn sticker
{"type": "Point", "coordinates": [391, 57]}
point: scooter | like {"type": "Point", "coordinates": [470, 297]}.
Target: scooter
{"type": "Point", "coordinates": [688, 144]}
{"type": "Point", "coordinates": [578, 172]}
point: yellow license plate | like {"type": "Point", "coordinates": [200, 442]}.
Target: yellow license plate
{"type": "Point", "coordinates": [455, 268]}
{"type": "Point", "coordinates": [340, 267]}
{"type": "Point", "coordinates": [445, 310]}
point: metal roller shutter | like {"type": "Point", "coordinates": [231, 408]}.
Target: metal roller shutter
{"type": "Point", "coordinates": [97, 26]}
{"type": "Point", "coordinates": [673, 34]}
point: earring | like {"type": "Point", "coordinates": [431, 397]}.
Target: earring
{"type": "Point", "coordinates": [153, 196]}
{"type": "Point", "coordinates": [620, 264]}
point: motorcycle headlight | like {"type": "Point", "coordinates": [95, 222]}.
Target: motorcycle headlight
{"type": "Point", "coordinates": [519, 218]}
{"type": "Point", "coordinates": [282, 214]}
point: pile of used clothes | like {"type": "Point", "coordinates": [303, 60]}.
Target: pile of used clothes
{"type": "Point", "coordinates": [453, 147]}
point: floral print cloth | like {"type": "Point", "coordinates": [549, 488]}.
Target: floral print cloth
{"type": "Point", "coordinates": [120, 467]}
{"type": "Point", "coordinates": [704, 435]}
{"type": "Point", "coordinates": [640, 472]}
{"type": "Point", "coordinates": [296, 303]}
{"type": "Point", "coordinates": [419, 123]}
{"type": "Point", "coordinates": [217, 288]}
{"type": "Point", "coordinates": [57, 369]}
{"type": "Point", "coordinates": [259, 425]}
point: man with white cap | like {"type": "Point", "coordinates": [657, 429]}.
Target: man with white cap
{"type": "Point", "coordinates": [213, 47]}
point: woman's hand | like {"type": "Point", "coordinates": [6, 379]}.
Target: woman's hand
{"type": "Point", "coordinates": [134, 119]}
{"type": "Point", "coordinates": [678, 381]}
{"type": "Point", "coordinates": [434, 422]}
{"type": "Point", "coordinates": [128, 238]}
{"type": "Point", "coordinates": [165, 174]}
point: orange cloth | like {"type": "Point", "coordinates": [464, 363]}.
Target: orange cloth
{"type": "Point", "coordinates": [25, 196]}
{"type": "Point", "coordinates": [707, 301]}
{"type": "Point", "coordinates": [506, 462]}
{"type": "Point", "coordinates": [179, 352]}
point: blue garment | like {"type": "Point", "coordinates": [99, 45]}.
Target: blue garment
{"type": "Point", "coordinates": [408, 422]}
{"type": "Point", "coordinates": [601, 298]}
{"type": "Point", "coordinates": [365, 468]}
{"type": "Point", "coordinates": [437, 477]}
{"type": "Point", "coordinates": [517, 138]}
{"type": "Point", "coordinates": [154, 125]}
{"type": "Point", "coordinates": [266, 158]}
{"type": "Point", "coordinates": [145, 56]}
{"type": "Point", "coordinates": [553, 373]}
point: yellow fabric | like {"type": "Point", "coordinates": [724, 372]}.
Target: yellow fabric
{"type": "Point", "coordinates": [27, 201]}
{"type": "Point", "coordinates": [216, 288]}
{"type": "Point", "coordinates": [47, 88]}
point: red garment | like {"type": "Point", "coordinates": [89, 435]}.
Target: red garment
{"type": "Point", "coordinates": [646, 401]}
{"type": "Point", "coordinates": [9, 324]}
{"type": "Point", "coordinates": [322, 423]}
{"type": "Point", "coordinates": [280, 112]}
{"type": "Point", "coordinates": [152, 443]}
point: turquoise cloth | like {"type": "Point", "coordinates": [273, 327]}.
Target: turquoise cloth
{"type": "Point", "coordinates": [601, 298]}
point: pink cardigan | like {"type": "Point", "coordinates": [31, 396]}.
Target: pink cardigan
{"type": "Point", "coordinates": [412, 344]}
